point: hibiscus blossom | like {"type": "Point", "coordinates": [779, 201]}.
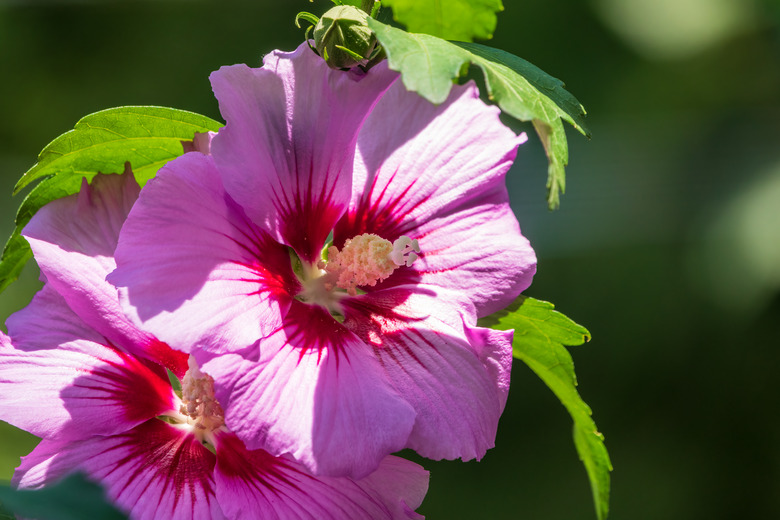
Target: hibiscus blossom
{"type": "Point", "coordinates": [74, 371]}
{"type": "Point", "coordinates": [327, 263]}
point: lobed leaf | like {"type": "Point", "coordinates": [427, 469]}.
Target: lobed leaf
{"type": "Point", "coordinates": [429, 65]}
{"type": "Point", "coordinates": [540, 336]}
{"type": "Point", "coordinates": [145, 136]}
{"type": "Point", "coordinates": [73, 498]}
{"type": "Point", "coordinates": [461, 20]}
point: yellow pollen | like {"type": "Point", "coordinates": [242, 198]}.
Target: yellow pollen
{"type": "Point", "coordinates": [366, 260]}
{"type": "Point", "coordinates": [198, 401]}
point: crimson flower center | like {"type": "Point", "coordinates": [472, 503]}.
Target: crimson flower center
{"type": "Point", "coordinates": [199, 412]}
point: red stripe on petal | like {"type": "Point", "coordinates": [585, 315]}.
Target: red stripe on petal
{"type": "Point", "coordinates": [153, 471]}
{"type": "Point", "coordinates": [162, 353]}
{"type": "Point", "coordinates": [257, 468]}
{"type": "Point", "coordinates": [311, 327]}
{"type": "Point", "coordinates": [306, 224]}
{"type": "Point", "coordinates": [254, 484]}
{"type": "Point", "coordinates": [375, 317]}
{"type": "Point", "coordinates": [373, 214]}
{"type": "Point", "coordinates": [265, 256]}
{"type": "Point", "coordinates": [170, 466]}
{"type": "Point", "coordinates": [140, 391]}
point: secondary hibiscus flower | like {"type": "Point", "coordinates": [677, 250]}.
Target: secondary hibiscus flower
{"type": "Point", "coordinates": [75, 372]}
{"type": "Point", "coordinates": [327, 263]}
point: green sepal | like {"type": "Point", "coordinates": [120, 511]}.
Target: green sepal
{"type": "Point", "coordinates": [342, 37]}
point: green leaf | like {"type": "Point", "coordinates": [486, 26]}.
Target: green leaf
{"type": "Point", "coordinates": [16, 253]}
{"type": "Point", "coordinates": [429, 65]}
{"type": "Point", "coordinates": [540, 336]}
{"type": "Point", "coordinates": [73, 498]}
{"type": "Point", "coordinates": [354, 3]}
{"type": "Point", "coordinates": [553, 138]}
{"type": "Point", "coordinates": [461, 20]}
{"type": "Point", "coordinates": [146, 137]}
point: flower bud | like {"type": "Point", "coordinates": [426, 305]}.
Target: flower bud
{"type": "Point", "coordinates": [342, 37]}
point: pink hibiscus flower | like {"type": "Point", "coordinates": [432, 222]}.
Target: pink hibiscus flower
{"type": "Point", "coordinates": [327, 263]}
{"type": "Point", "coordinates": [75, 372]}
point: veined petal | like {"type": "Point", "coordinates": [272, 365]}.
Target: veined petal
{"type": "Point", "coordinates": [454, 386]}
{"type": "Point", "coordinates": [436, 174]}
{"type": "Point", "coordinates": [153, 472]}
{"type": "Point", "coordinates": [252, 484]}
{"type": "Point", "coordinates": [477, 250]}
{"type": "Point", "coordinates": [494, 348]}
{"type": "Point", "coordinates": [59, 378]}
{"type": "Point", "coordinates": [73, 240]}
{"type": "Point", "coordinates": [193, 270]}
{"type": "Point", "coordinates": [286, 152]}
{"type": "Point", "coordinates": [317, 392]}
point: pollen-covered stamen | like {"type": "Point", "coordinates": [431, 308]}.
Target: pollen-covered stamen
{"type": "Point", "coordinates": [198, 402]}
{"type": "Point", "coordinates": [366, 260]}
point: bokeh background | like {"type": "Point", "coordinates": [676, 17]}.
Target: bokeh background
{"type": "Point", "coordinates": [667, 244]}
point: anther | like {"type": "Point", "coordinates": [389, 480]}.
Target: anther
{"type": "Point", "coordinates": [367, 259]}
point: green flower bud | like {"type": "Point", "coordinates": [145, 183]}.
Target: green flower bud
{"type": "Point", "coordinates": [342, 37]}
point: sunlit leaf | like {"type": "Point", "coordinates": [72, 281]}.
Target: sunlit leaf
{"type": "Point", "coordinates": [146, 137]}
{"type": "Point", "coordinates": [461, 20]}
{"type": "Point", "coordinates": [429, 65]}
{"type": "Point", "coordinates": [15, 256]}
{"type": "Point", "coordinates": [355, 3]}
{"type": "Point", "coordinates": [73, 498]}
{"type": "Point", "coordinates": [541, 334]}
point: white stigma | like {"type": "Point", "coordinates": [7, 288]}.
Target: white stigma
{"type": "Point", "coordinates": [405, 251]}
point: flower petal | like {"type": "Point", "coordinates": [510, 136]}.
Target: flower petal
{"type": "Point", "coordinates": [59, 378]}
{"type": "Point", "coordinates": [196, 271]}
{"type": "Point", "coordinates": [73, 240]}
{"type": "Point", "coordinates": [286, 151]}
{"type": "Point", "coordinates": [252, 484]}
{"type": "Point", "coordinates": [456, 387]}
{"type": "Point", "coordinates": [317, 392]}
{"type": "Point", "coordinates": [154, 471]}
{"type": "Point", "coordinates": [494, 348]}
{"type": "Point", "coordinates": [436, 174]}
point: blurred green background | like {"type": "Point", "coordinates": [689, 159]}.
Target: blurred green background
{"type": "Point", "coordinates": [667, 245]}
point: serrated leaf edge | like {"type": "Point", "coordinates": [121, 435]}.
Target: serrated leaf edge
{"type": "Point", "coordinates": [129, 110]}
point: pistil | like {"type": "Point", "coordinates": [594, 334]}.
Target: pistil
{"type": "Point", "coordinates": [368, 259]}
{"type": "Point", "coordinates": [199, 405]}
{"type": "Point", "coordinates": [364, 261]}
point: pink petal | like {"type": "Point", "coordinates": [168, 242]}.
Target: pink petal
{"type": "Point", "coordinates": [494, 348]}
{"type": "Point", "coordinates": [73, 240]}
{"type": "Point", "coordinates": [286, 152]}
{"type": "Point", "coordinates": [154, 471]}
{"type": "Point", "coordinates": [196, 271]}
{"type": "Point", "coordinates": [59, 378]}
{"type": "Point", "coordinates": [254, 484]}
{"type": "Point", "coordinates": [458, 389]}
{"type": "Point", "coordinates": [436, 174]}
{"type": "Point", "coordinates": [317, 392]}
{"type": "Point", "coordinates": [201, 142]}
